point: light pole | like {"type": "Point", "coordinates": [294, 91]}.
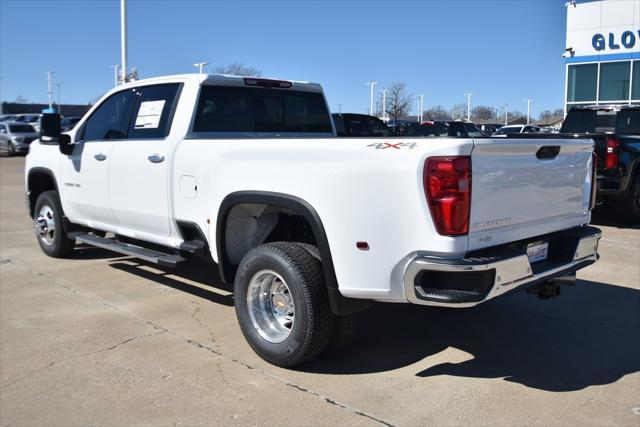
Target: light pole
{"type": "Point", "coordinates": [528, 101]}
{"type": "Point", "coordinates": [384, 104]}
{"type": "Point", "coordinates": [468, 95]}
{"type": "Point", "coordinates": [123, 39]}
{"type": "Point", "coordinates": [59, 98]}
{"type": "Point", "coordinates": [340, 108]}
{"type": "Point", "coordinates": [421, 106]}
{"type": "Point", "coordinates": [372, 84]}
{"type": "Point", "coordinates": [116, 76]}
{"type": "Point", "coordinates": [49, 91]}
{"type": "Point", "coordinates": [200, 66]}
{"type": "Point", "coordinates": [506, 114]}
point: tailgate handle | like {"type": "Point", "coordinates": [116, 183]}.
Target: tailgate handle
{"type": "Point", "coordinates": [548, 152]}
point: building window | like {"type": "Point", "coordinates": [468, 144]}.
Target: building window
{"type": "Point", "coordinates": [583, 81]}
{"type": "Point", "coordinates": [614, 81]}
{"type": "Point", "coordinates": [635, 85]}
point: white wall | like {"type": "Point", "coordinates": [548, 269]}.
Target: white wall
{"type": "Point", "coordinates": [584, 20]}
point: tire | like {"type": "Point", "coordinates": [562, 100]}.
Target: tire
{"type": "Point", "coordinates": [629, 207]}
{"type": "Point", "coordinates": [344, 327]}
{"type": "Point", "coordinates": [294, 323]}
{"type": "Point", "coordinates": [49, 226]}
{"type": "Point", "coordinates": [11, 150]}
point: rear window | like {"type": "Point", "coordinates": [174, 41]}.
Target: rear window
{"type": "Point", "coordinates": [507, 130]}
{"type": "Point", "coordinates": [259, 110]}
{"type": "Point", "coordinates": [628, 122]}
{"type": "Point", "coordinates": [21, 128]}
{"type": "Point", "coordinates": [589, 121]}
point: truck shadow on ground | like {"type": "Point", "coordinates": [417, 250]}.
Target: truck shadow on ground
{"type": "Point", "coordinates": [193, 278]}
{"type": "Point", "coordinates": [588, 336]}
{"type": "Point", "coordinates": [604, 215]}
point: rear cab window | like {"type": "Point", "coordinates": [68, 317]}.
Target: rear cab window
{"type": "Point", "coordinates": [229, 111]}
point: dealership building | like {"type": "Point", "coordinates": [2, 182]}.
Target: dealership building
{"type": "Point", "coordinates": [602, 53]}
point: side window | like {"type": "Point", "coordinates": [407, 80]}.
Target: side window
{"type": "Point", "coordinates": [110, 119]}
{"type": "Point", "coordinates": [473, 131]}
{"type": "Point", "coordinates": [153, 111]}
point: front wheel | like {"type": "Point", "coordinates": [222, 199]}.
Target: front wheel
{"type": "Point", "coordinates": [11, 149]}
{"type": "Point", "coordinates": [49, 226]}
{"type": "Point", "coordinates": [282, 304]}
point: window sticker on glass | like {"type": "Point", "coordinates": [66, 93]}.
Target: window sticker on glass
{"type": "Point", "coordinates": [149, 114]}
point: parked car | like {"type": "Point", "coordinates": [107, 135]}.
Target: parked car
{"type": "Point", "coordinates": [31, 119]}
{"type": "Point", "coordinates": [616, 132]}
{"type": "Point", "coordinates": [361, 125]}
{"type": "Point", "coordinates": [489, 128]}
{"type": "Point", "coordinates": [310, 228]}
{"type": "Point", "coordinates": [67, 123]}
{"type": "Point", "coordinates": [7, 117]}
{"type": "Point", "coordinates": [399, 127]}
{"type": "Point", "coordinates": [457, 129]}
{"type": "Point", "coordinates": [511, 129]}
{"type": "Point", "coordinates": [15, 137]}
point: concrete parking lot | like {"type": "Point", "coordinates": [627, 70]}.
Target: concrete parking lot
{"type": "Point", "coordinates": [102, 339]}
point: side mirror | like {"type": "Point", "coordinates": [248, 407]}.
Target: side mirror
{"type": "Point", "coordinates": [50, 127]}
{"type": "Point", "coordinates": [51, 132]}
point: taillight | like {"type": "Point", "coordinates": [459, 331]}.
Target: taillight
{"type": "Point", "coordinates": [611, 156]}
{"type": "Point", "coordinates": [447, 182]}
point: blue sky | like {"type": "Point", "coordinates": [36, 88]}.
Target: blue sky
{"type": "Point", "coordinates": [503, 51]}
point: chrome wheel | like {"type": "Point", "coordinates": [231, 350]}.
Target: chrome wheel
{"type": "Point", "coordinates": [45, 225]}
{"type": "Point", "coordinates": [271, 307]}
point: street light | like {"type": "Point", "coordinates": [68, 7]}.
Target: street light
{"type": "Point", "coordinates": [123, 39]}
{"type": "Point", "coordinates": [468, 95]}
{"type": "Point", "coordinates": [49, 91]}
{"type": "Point", "coordinates": [506, 114]}
{"type": "Point", "coordinates": [372, 84]}
{"type": "Point", "coordinates": [528, 101]}
{"type": "Point", "coordinates": [421, 106]}
{"type": "Point", "coordinates": [200, 66]}
{"type": "Point", "coordinates": [384, 103]}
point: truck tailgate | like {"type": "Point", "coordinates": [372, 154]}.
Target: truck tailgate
{"type": "Point", "coordinates": [521, 188]}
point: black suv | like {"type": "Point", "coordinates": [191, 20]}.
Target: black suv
{"type": "Point", "coordinates": [616, 132]}
{"type": "Point", "coordinates": [359, 125]}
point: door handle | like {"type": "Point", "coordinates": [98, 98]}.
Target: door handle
{"type": "Point", "coordinates": [156, 158]}
{"type": "Point", "coordinates": [100, 157]}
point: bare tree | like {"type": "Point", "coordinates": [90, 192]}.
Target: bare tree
{"type": "Point", "coordinates": [237, 69]}
{"type": "Point", "coordinates": [482, 113]}
{"type": "Point", "coordinates": [437, 112]}
{"type": "Point", "coordinates": [398, 101]}
{"type": "Point", "coordinates": [21, 99]}
{"type": "Point", "coordinates": [459, 111]}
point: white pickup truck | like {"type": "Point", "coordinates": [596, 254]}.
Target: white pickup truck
{"type": "Point", "coordinates": [310, 228]}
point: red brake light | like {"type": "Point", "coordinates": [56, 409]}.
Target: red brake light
{"type": "Point", "coordinates": [447, 182]}
{"type": "Point", "coordinates": [250, 81]}
{"type": "Point", "coordinates": [611, 156]}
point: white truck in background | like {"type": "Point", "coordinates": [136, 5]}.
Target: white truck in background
{"type": "Point", "coordinates": [310, 228]}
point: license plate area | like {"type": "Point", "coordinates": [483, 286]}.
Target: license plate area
{"type": "Point", "coordinates": [537, 251]}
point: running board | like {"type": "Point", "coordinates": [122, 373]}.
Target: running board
{"type": "Point", "coordinates": [150, 255]}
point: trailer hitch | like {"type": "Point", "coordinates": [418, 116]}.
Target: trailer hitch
{"type": "Point", "coordinates": [551, 288]}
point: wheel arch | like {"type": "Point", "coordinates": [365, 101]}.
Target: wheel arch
{"type": "Point", "coordinates": [39, 180]}
{"type": "Point", "coordinates": [339, 304]}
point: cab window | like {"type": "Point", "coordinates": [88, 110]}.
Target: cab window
{"type": "Point", "coordinates": [110, 119]}
{"type": "Point", "coordinates": [153, 111]}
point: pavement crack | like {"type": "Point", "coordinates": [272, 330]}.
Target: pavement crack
{"type": "Point", "coordinates": [160, 330]}
{"type": "Point", "coordinates": [79, 356]}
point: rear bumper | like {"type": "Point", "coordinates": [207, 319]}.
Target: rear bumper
{"type": "Point", "coordinates": [486, 274]}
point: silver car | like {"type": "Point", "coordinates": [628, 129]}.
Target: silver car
{"type": "Point", "coordinates": [15, 137]}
